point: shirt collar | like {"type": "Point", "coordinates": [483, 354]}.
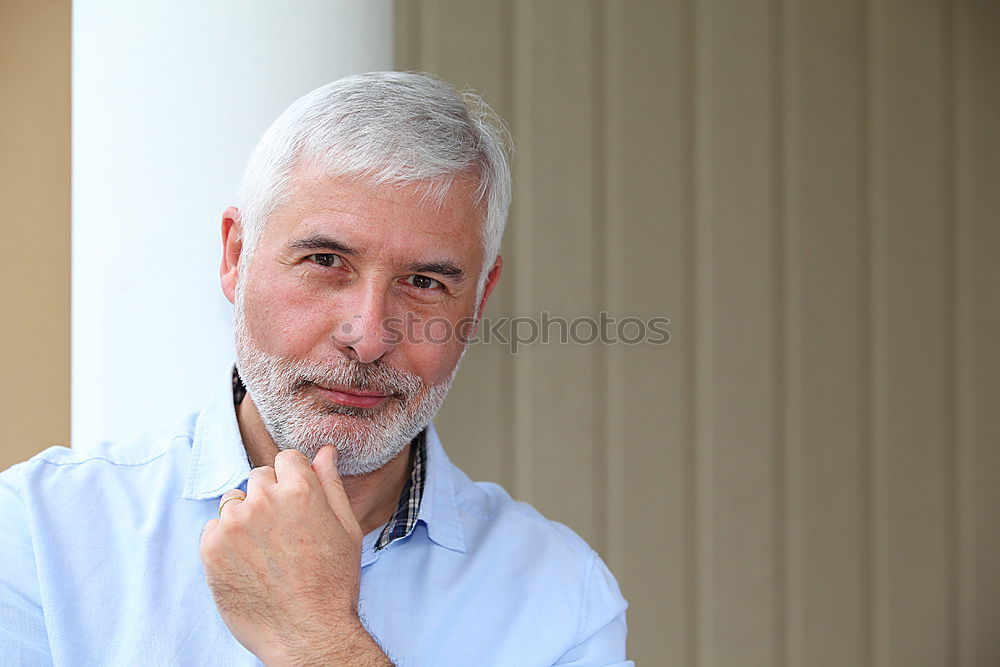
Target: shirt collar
{"type": "Point", "coordinates": [439, 507]}
{"type": "Point", "coordinates": [218, 458]}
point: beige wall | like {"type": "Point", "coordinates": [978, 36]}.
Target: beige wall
{"type": "Point", "coordinates": [34, 226]}
{"type": "Point", "coordinates": [809, 472]}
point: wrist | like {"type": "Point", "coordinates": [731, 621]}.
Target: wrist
{"type": "Point", "coordinates": [344, 643]}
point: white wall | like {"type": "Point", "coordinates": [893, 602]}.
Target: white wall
{"type": "Point", "coordinates": [169, 97]}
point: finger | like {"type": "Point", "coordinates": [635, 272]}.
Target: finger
{"type": "Point", "coordinates": [207, 530]}
{"type": "Point", "coordinates": [289, 464]}
{"type": "Point", "coordinates": [260, 478]}
{"type": "Point", "coordinates": [206, 535]}
{"type": "Point", "coordinates": [230, 500]}
{"type": "Point", "coordinates": [325, 466]}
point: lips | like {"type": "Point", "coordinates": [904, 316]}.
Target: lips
{"type": "Point", "coordinates": [354, 398]}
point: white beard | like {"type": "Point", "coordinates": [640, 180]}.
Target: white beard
{"type": "Point", "coordinates": [298, 417]}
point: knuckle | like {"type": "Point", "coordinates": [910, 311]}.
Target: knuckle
{"type": "Point", "coordinates": [261, 471]}
{"type": "Point", "coordinates": [232, 527]}
{"type": "Point", "coordinates": [290, 454]}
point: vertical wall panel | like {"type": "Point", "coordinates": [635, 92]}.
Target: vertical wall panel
{"type": "Point", "coordinates": [738, 217]}
{"type": "Point", "coordinates": [877, 470]}
{"type": "Point", "coordinates": [977, 62]}
{"type": "Point", "coordinates": [827, 342]}
{"type": "Point", "coordinates": [557, 231]}
{"type": "Point", "coordinates": [648, 232]}
{"type": "Point", "coordinates": [910, 126]}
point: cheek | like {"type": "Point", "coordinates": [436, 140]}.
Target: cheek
{"type": "Point", "coordinates": [285, 320]}
{"type": "Point", "coordinates": [431, 357]}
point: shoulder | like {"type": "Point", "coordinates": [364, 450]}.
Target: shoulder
{"type": "Point", "coordinates": [487, 506]}
{"type": "Point", "coordinates": [95, 467]}
{"type": "Point", "coordinates": [509, 529]}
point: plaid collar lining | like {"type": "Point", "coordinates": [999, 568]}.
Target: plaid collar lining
{"type": "Point", "coordinates": [404, 520]}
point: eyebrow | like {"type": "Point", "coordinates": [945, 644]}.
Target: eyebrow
{"type": "Point", "coordinates": [320, 242]}
{"type": "Point", "coordinates": [442, 268]}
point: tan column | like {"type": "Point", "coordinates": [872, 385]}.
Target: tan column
{"type": "Point", "coordinates": [34, 226]}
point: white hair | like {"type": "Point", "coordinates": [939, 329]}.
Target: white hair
{"type": "Point", "coordinates": [385, 128]}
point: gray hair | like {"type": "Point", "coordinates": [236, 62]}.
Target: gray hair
{"type": "Point", "coordinates": [385, 128]}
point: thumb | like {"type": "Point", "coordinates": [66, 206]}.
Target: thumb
{"type": "Point", "coordinates": [325, 466]}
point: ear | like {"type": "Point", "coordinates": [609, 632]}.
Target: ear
{"type": "Point", "coordinates": [491, 281]}
{"type": "Point", "coordinates": [232, 250]}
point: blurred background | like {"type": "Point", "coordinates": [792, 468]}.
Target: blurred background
{"type": "Point", "coordinates": [808, 473]}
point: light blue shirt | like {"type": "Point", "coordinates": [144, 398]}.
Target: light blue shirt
{"type": "Point", "coordinates": [99, 564]}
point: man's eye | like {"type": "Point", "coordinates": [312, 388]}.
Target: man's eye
{"type": "Point", "coordinates": [325, 259]}
{"type": "Point", "coordinates": [423, 282]}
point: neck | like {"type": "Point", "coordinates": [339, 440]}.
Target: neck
{"type": "Point", "coordinates": [373, 496]}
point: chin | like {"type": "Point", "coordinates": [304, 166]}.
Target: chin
{"type": "Point", "coordinates": [362, 446]}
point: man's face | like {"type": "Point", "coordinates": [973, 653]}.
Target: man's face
{"type": "Point", "coordinates": [349, 317]}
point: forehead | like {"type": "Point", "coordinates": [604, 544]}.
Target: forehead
{"type": "Point", "coordinates": [381, 214]}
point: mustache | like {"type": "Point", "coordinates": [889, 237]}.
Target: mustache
{"type": "Point", "coordinates": [376, 376]}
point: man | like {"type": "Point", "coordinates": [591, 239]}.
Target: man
{"type": "Point", "coordinates": [372, 207]}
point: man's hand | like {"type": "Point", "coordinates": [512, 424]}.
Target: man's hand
{"type": "Point", "coordinates": [284, 566]}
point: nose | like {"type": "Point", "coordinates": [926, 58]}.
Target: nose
{"type": "Point", "coordinates": [360, 332]}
